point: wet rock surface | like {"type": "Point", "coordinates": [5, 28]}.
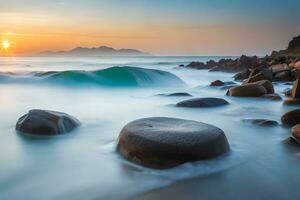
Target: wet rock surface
{"type": "Point", "coordinates": [46, 123]}
{"type": "Point", "coordinates": [160, 142]}
{"type": "Point", "coordinates": [291, 118]}
{"type": "Point", "coordinates": [202, 102]}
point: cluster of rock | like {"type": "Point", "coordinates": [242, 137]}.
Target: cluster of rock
{"type": "Point", "coordinates": [279, 66]}
{"type": "Point", "coordinates": [156, 142]}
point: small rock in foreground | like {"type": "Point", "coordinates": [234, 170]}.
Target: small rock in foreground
{"type": "Point", "coordinates": [46, 123]}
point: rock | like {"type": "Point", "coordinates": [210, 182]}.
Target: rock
{"type": "Point", "coordinates": [297, 64]}
{"type": "Point", "coordinates": [160, 142]}
{"type": "Point", "coordinates": [295, 73]}
{"type": "Point", "coordinates": [177, 94]}
{"type": "Point", "coordinates": [296, 89]}
{"type": "Point", "coordinates": [291, 101]}
{"type": "Point", "coordinates": [261, 122]}
{"type": "Point", "coordinates": [266, 84]}
{"type": "Point", "coordinates": [217, 83]}
{"type": "Point", "coordinates": [45, 122]}
{"type": "Point", "coordinates": [247, 90]}
{"type": "Point", "coordinates": [288, 92]}
{"type": "Point", "coordinates": [291, 118]}
{"type": "Point", "coordinates": [284, 76]}
{"type": "Point", "coordinates": [296, 132]}
{"type": "Point", "coordinates": [242, 75]}
{"type": "Point", "coordinates": [291, 141]}
{"type": "Point", "coordinates": [197, 65]}
{"type": "Point", "coordinates": [274, 97]}
{"type": "Point", "coordinates": [202, 103]}
{"type": "Point", "coordinates": [294, 45]}
{"type": "Point", "coordinates": [279, 67]}
{"type": "Point", "coordinates": [262, 75]}
{"type": "Point", "coordinates": [181, 65]}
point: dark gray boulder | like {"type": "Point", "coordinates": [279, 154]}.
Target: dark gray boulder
{"type": "Point", "coordinates": [202, 102]}
{"type": "Point", "coordinates": [160, 142]}
{"type": "Point", "coordinates": [45, 122]}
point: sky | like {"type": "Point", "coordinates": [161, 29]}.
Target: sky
{"type": "Point", "coordinates": [161, 27]}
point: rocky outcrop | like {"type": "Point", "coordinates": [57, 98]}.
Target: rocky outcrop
{"type": "Point", "coordinates": [160, 142]}
{"type": "Point", "coordinates": [228, 65]}
{"type": "Point", "coordinates": [45, 123]}
{"type": "Point", "coordinates": [279, 66]}
{"type": "Point", "coordinates": [202, 103]}
{"type": "Point", "coordinates": [217, 83]}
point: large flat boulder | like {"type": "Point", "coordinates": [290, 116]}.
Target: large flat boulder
{"type": "Point", "coordinates": [46, 122]}
{"type": "Point", "coordinates": [202, 102]}
{"type": "Point", "coordinates": [160, 142]}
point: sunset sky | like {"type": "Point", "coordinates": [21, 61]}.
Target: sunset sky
{"type": "Point", "coordinates": [162, 27]}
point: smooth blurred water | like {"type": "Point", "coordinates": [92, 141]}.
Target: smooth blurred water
{"type": "Point", "coordinates": [84, 164]}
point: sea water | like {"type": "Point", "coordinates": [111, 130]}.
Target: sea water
{"type": "Point", "coordinates": [105, 94]}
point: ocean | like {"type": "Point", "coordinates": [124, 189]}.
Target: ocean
{"type": "Point", "coordinates": [105, 94]}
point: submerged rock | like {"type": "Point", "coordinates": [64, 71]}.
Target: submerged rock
{"type": "Point", "coordinates": [261, 122]}
{"type": "Point", "coordinates": [274, 97]}
{"type": "Point", "coordinates": [160, 142]}
{"type": "Point", "coordinates": [202, 102]}
{"type": "Point", "coordinates": [291, 118]}
{"type": "Point", "coordinates": [177, 94]}
{"type": "Point", "coordinates": [217, 83]}
{"type": "Point", "coordinates": [248, 90]}
{"type": "Point", "coordinates": [45, 122]}
{"type": "Point", "coordinates": [291, 141]}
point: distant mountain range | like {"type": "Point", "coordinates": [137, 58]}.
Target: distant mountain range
{"type": "Point", "coordinates": [94, 52]}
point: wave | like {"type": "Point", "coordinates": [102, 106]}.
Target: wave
{"type": "Point", "coordinates": [114, 76]}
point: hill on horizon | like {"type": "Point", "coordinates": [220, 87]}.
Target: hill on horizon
{"type": "Point", "coordinates": [96, 51]}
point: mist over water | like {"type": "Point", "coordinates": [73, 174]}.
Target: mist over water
{"type": "Point", "coordinates": [84, 164]}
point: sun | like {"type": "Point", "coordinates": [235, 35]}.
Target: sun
{"type": "Point", "coordinates": [5, 44]}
